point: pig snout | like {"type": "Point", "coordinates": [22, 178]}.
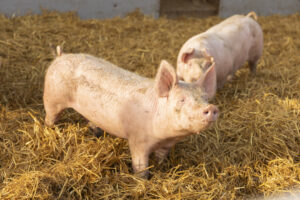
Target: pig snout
{"type": "Point", "coordinates": [210, 113]}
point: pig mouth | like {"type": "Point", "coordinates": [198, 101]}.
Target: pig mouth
{"type": "Point", "coordinates": [205, 124]}
{"type": "Point", "coordinates": [208, 121]}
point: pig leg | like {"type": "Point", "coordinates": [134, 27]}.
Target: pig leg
{"type": "Point", "coordinates": [54, 99]}
{"type": "Point", "coordinates": [221, 83]}
{"type": "Point", "coordinates": [98, 132]}
{"type": "Point", "coordinates": [53, 107]}
{"type": "Point", "coordinates": [140, 158]}
{"type": "Point", "coordinates": [52, 113]}
{"type": "Point", "coordinates": [161, 154]}
{"type": "Point", "coordinates": [253, 61]}
{"type": "Point", "coordinates": [252, 65]}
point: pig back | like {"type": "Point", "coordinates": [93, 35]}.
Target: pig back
{"type": "Point", "coordinates": [240, 36]}
{"type": "Point", "coordinates": [101, 91]}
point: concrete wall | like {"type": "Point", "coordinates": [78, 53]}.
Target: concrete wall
{"type": "Point", "coordinates": [261, 7]}
{"type": "Point", "coordinates": [111, 8]}
{"type": "Point", "coordinates": [85, 8]}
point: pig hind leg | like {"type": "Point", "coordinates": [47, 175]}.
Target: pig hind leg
{"type": "Point", "coordinates": [161, 154]}
{"type": "Point", "coordinates": [253, 65]}
{"type": "Point", "coordinates": [55, 98]}
{"type": "Point", "coordinates": [253, 59]}
{"type": "Point", "coordinates": [53, 109]}
{"type": "Point", "coordinates": [98, 132]}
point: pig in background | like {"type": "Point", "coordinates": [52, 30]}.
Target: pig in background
{"type": "Point", "coordinates": [152, 114]}
{"type": "Point", "coordinates": [288, 195]}
{"type": "Point", "coordinates": [228, 44]}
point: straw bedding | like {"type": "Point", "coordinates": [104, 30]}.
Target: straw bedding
{"type": "Point", "coordinates": [253, 150]}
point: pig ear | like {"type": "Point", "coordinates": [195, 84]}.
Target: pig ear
{"type": "Point", "coordinates": [208, 82]}
{"type": "Point", "coordinates": [187, 54]}
{"type": "Point", "coordinates": [165, 79]}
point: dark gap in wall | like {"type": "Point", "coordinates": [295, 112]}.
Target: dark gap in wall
{"type": "Point", "coordinates": [189, 8]}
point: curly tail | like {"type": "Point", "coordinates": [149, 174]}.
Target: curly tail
{"type": "Point", "coordinates": [58, 51]}
{"type": "Point", "coordinates": [253, 15]}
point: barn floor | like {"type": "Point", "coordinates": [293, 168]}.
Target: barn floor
{"type": "Point", "coordinates": [253, 150]}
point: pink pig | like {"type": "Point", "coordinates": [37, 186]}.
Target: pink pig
{"type": "Point", "coordinates": [228, 44]}
{"type": "Point", "coordinates": [152, 114]}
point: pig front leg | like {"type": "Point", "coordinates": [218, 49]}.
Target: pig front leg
{"type": "Point", "coordinates": [140, 157]}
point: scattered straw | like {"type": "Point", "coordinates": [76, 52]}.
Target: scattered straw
{"type": "Point", "coordinates": [253, 150]}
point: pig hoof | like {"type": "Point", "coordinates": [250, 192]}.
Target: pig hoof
{"type": "Point", "coordinates": [49, 126]}
{"type": "Point", "coordinates": [143, 174]}
{"type": "Point", "coordinates": [49, 123]}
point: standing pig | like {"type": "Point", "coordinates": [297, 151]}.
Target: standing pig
{"type": "Point", "coordinates": [229, 44]}
{"type": "Point", "coordinates": [152, 114]}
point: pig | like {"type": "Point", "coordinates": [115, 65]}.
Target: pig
{"type": "Point", "coordinates": [153, 114]}
{"type": "Point", "coordinates": [228, 45]}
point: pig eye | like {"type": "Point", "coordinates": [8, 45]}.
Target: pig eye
{"type": "Point", "coordinates": [182, 100]}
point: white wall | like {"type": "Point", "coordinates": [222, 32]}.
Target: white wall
{"type": "Point", "coordinates": [261, 7]}
{"type": "Point", "coordinates": [85, 8]}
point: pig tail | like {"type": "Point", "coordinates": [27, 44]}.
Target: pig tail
{"type": "Point", "coordinates": [58, 51]}
{"type": "Point", "coordinates": [252, 14]}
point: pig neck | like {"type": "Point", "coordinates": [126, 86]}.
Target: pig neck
{"type": "Point", "coordinates": [162, 128]}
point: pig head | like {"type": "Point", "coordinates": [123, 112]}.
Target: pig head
{"type": "Point", "coordinates": [228, 44]}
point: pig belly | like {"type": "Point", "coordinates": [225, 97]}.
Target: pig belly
{"type": "Point", "coordinates": [101, 108]}
{"type": "Point", "coordinates": [223, 57]}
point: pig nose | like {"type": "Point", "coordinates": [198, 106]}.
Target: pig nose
{"type": "Point", "coordinates": [210, 113]}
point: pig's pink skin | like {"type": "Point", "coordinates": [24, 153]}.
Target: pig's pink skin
{"type": "Point", "coordinates": [152, 114]}
{"type": "Point", "coordinates": [231, 43]}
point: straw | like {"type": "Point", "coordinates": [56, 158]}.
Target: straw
{"type": "Point", "coordinates": [253, 150]}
